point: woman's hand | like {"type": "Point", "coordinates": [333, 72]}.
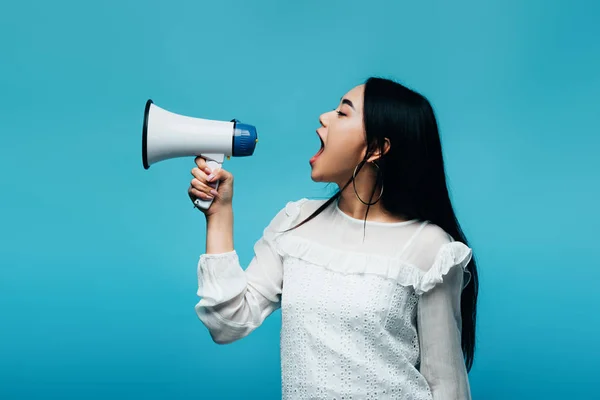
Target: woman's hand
{"type": "Point", "coordinates": [202, 187]}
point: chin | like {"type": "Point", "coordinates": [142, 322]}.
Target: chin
{"type": "Point", "coordinates": [323, 173]}
{"type": "Point", "coordinates": [315, 175]}
{"type": "Point", "coordinates": [319, 177]}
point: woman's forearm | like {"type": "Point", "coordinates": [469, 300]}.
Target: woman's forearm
{"type": "Point", "coordinates": [219, 231]}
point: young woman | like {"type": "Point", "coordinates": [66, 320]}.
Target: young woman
{"type": "Point", "coordinates": [377, 285]}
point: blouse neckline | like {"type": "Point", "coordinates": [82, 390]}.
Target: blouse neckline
{"type": "Point", "coordinates": [372, 223]}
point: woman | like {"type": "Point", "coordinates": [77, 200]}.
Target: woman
{"type": "Point", "coordinates": [377, 286]}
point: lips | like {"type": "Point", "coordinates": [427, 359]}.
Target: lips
{"type": "Point", "coordinates": [314, 158]}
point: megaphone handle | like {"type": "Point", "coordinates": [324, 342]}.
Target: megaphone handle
{"type": "Point", "coordinates": [205, 204]}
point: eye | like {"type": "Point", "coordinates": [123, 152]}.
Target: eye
{"type": "Point", "coordinates": [341, 114]}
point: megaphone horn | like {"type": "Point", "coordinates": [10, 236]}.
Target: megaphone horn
{"type": "Point", "coordinates": [168, 135]}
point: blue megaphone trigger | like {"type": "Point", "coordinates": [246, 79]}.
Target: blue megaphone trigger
{"type": "Point", "coordinates": [244, 139]}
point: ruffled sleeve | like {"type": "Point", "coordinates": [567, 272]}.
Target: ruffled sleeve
{"type": "Point", "coordinates": [450, 255]}
{"type": "Point", "coordinates": [234, 301]}
{"type": "Point", "coordinates": [439, 322]}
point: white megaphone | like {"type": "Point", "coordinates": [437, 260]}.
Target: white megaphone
{"type": "Point", "coordinates": [168, 135]}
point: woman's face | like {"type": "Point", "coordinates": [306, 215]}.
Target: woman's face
{"type": "Point", "coordinates": [343, 134]}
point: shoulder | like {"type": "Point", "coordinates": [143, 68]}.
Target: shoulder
{"type": "Point", "coordinates": [294, 210]}
{"type": "Point", "coordinates": [432, 243]}
{"type": "Point", "coordinates": [302, 207]}
{"type": "Point", "coordinates": [433, 236]}
{"type": "Point", "coordinates": [438, 255]}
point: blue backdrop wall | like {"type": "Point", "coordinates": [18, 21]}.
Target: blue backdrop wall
{"type": "Point", "coordinates": [98, 256]}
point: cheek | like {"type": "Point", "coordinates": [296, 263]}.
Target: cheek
{"type": "Point", "coordinates": [347, 147]}
{"type": "Point", "coordinates": [342, 153]}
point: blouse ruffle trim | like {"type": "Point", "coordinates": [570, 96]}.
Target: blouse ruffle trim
{"type": "Point", "coordinates": [451, 255]}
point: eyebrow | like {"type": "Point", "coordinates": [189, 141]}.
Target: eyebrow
{"type": "Point", "coordinates": [346, 101]}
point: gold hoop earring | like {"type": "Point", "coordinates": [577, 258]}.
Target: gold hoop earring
{"type": "Point", "coordinates": [354, 184]}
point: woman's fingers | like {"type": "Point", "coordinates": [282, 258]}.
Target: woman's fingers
{"type": "Point", "coordinates": [201, 165]}
{"type": "Point", "coordinates": [218, 175]}
{"type": "Point", "coordinates": [205, 180]}
{"type": "Point", "coordinates": [199, 186]}
{"type": "Point", "coordinates": [198, 174]}
{"type": "Point", "coordinates": [197, 194]}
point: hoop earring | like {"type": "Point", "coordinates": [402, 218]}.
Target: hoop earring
{"type": "Point", "coordinates": [354, 184]}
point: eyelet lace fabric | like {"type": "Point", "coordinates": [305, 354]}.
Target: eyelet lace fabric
{"type": "Point", "coordinates": [361, 319]}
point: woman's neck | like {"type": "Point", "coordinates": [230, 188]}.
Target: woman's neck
{"type": "Point", "coordinates": [350, 204]}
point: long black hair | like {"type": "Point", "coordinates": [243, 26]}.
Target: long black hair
{"type": "Point", "coordinates": [413, 174]}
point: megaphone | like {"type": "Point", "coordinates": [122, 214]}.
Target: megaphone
{"type": "Point", "coordinates": [168, 135]}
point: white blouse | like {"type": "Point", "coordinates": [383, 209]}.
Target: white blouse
{"type": "Point", "coordinates": [369, 314]}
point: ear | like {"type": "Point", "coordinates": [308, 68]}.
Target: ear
{"type": "Point", "coordinates": [377, 153]}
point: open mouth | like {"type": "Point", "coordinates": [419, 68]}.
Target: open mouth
{"type": "Point", "coordinates": [314, 158]}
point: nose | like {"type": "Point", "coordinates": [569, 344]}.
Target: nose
{"type": "Point", "coordinates": [323, 119]}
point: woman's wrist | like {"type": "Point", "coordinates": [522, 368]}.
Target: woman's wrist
{"type": "Point", "coordinates": [219, 231]}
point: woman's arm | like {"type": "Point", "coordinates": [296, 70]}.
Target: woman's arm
{"type": "Point", "coordinates": [439, 326]}
{"type": "Point", "coordinates": [234, 301]}
{"type": "Point", "coordinates": [219, 231]}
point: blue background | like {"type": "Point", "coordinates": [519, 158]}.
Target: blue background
{"type": "Point", "coordinates": [98, 256]}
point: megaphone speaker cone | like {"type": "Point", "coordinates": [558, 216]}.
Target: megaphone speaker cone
{"type": "Point", "coordinates": [145, 135]}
